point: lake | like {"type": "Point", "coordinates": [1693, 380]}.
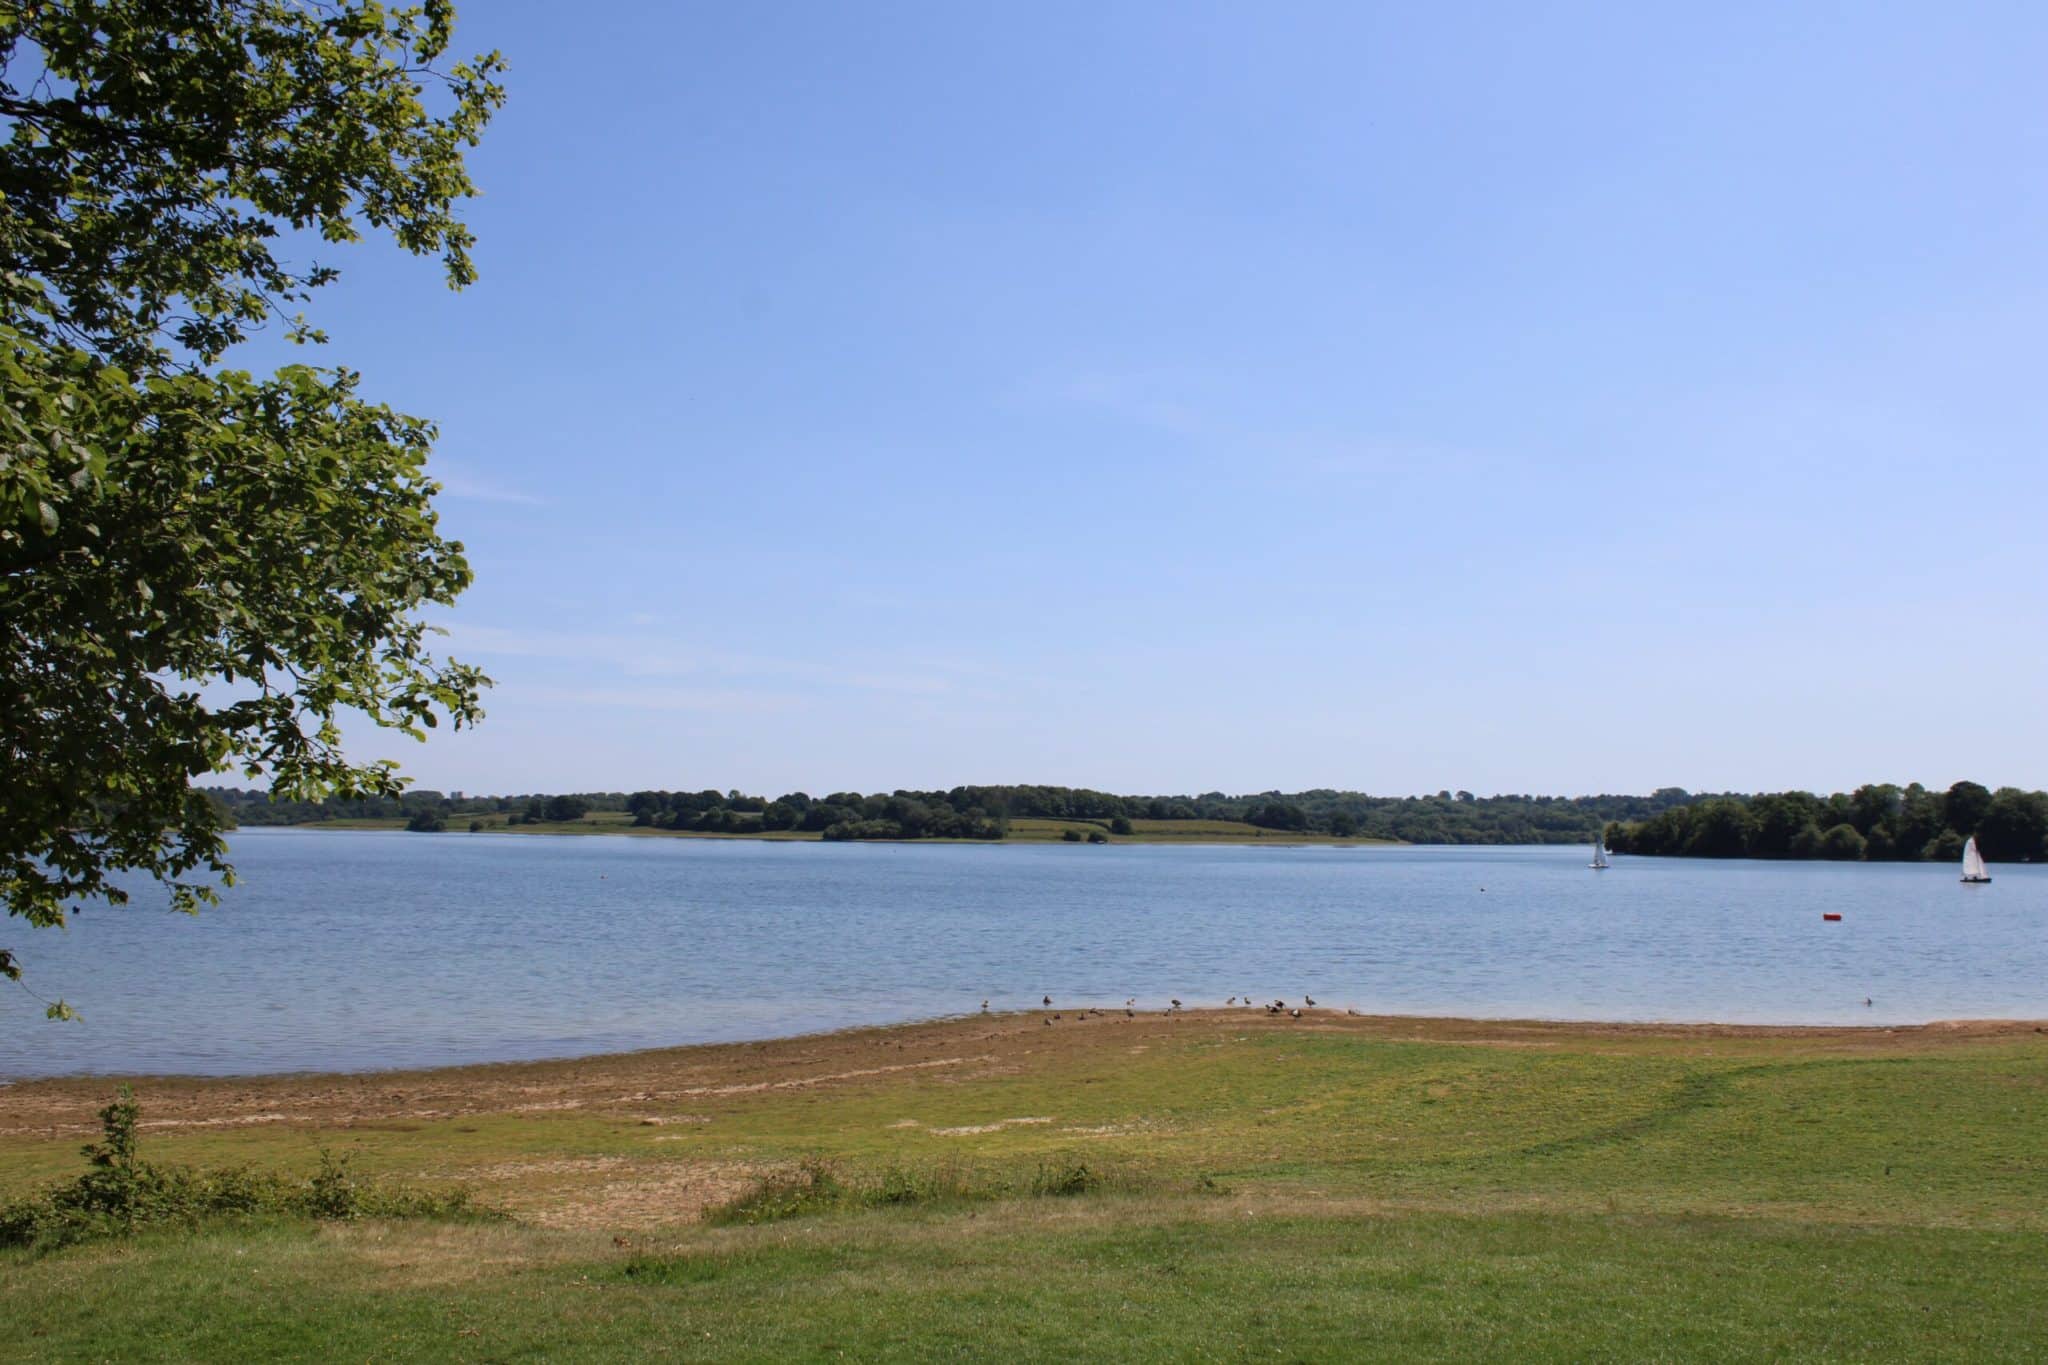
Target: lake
{"type": "Point", "coordinates": [355, 951]}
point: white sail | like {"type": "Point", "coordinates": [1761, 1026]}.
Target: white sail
{"type": "Point", "coordinates": [1599, 853]}
{"type": "Point", "coordinates": [1973, 862]}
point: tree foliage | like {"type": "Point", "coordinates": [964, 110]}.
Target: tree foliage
{"type": "Point", "coordinates": [1879, 822]}
{"type": "Point", "coordinates": [201, 569]}
{"type": "Point", "coordinates": [977, 812]}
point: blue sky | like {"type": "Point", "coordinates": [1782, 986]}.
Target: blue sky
{"type": "Point", "coordinates": [1164, 397]}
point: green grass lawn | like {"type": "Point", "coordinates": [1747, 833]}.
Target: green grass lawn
{"type": "Point", "coordinates": [1359, 1189]}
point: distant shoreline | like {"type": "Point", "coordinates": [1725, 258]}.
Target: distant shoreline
{"type": "Point", "coordinates": [591, 829]}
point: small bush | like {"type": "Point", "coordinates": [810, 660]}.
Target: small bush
{"type": "Point", "coordinates": [1071, 836]}
{"type": "Point", "coordinates": [816, 1187]}
{"type": "Point", "coordinates": [1058, 1182]}
{"type": "Point", "coordinates": [811, 1188]}
{"type": "Point", "coordinates": [121, 1194]}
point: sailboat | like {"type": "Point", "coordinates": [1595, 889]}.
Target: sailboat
{"type": "Point", "coordinates": [1599, 863]}
{"type": "Point", "coordinates": [1973, 864]}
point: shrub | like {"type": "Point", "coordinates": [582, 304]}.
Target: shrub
{"type": "Point", "coordinates": [562, 809]}
{"type": "Point", "coordinates": [1071, 836]}
{"type": "Point", "coordinates": [815, 1187]}
{"type": "Point", "coordinates": [1061, 1181]}
{"type": "Point", "coordinates": [121, 1194]}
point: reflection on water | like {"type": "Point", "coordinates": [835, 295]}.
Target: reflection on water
{"type": "Point", "coordinates": [369, 950]}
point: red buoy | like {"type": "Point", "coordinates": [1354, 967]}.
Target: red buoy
{"type": "Point", "coordinates": [1826, 915]}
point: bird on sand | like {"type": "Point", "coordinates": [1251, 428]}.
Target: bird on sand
{"type": "Point", "coordinates": [1231, 1001]}
{"type": "Point", "coordinates": [1308, 1000]}
{"type": "Point", "coordinates": [1294, 1014]}
{"type": "Point", "coordinates": [984, 1007]}
{"type": "Point", "coordinates": [1176, 1004]}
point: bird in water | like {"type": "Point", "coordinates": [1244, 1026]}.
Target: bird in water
{"type": "Point", "coordinates": [1231, 1001]}
{"type": "Point", "coordinates": [1048, 1000]}
{"type": "Point", "coordinates": [984, 1007]}
{"type": "Point", "coordinates": [1866, 1002]}
{"type": "Point", "coordinates": [1176, 1004]}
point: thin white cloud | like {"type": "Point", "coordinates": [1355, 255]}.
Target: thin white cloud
{"type": "Point", "coordinates": [1134, 400]}
{"type": "Point", "coordinates": [634, 656]}
{"type": "Point", "coordinates": [717, 701]}
{"type": "Point", "coordinates": [456, 483]}
{"type": "Point", "coordinates": [915, 684]}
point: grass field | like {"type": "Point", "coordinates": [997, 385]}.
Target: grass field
{"type": "Point", "coordinates": [1332, 1187]}
{"type": "Point", "coordinates": [1022, 830]}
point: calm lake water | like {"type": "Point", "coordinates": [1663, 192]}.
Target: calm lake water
{"type": "Point", "coordinates": [351, 951]}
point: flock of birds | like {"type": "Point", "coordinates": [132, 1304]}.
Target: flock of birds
{"type": "Point", "coordinates": [1174, 1006]}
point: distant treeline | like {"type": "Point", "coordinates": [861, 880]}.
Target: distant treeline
{"type": "Point", "coordinates": [1876, 822]}
{"type": "Point", "coordinates": [986, 812]}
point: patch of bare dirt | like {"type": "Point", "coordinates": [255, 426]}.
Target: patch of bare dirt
{"type": "Point", "coordinates": [615, 1192]}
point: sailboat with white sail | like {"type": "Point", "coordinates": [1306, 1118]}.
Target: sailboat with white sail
{"type": "Point", "coordinates": [1599, 863]}
{"type": "Point", "coordinates": [1973, 864]}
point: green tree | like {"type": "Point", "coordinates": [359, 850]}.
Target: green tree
{"type": "Point", "coordinates": [1874, 804]}
{"type": "Point", "coordinates": [1721, 829]}
{"type": "Point", "coordinates": [2015, 826]}
{"type": "Point", "coordinates": [1945, 847]}
{"type": "Point", "coordinates": [1842, 842]}
{"type": "Point", "coordinates": [1119, 825]}
{"type": "Point", "coordinates": [201, 569]}
{"type": "Point", "coordinates": [564, 808]}
{"type": "Point", "coordinates": [1964, 806]}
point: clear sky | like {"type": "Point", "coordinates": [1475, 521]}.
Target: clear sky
{"type": "Point", "coordinates": [1166, 397]}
